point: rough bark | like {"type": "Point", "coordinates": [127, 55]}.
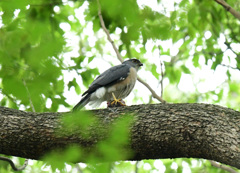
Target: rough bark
{"type": "Point", "coordinates": [159, 131]}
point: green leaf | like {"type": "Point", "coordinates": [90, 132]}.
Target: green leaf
{"type": "Point", "coordinates": [228, 75]}
{"type": "Point", "coordinates": [75, 85]}
{"type": "Point", "coordinates": [195, 60]}
{"type": "Point", "coordinates": [90, 59]}
{"type": "Point", "coordinates": [79, 123]}
{"type": "Point", "coordinates": [15, 87]}
{"type": "Point", "coordinates": [192, 15]}
{"type": "Point", "coordinates": [154, 71]}
{"type": "Point", "coordinates": [173, 74]}
{"type": "Point", "coordinates": [173, 17]}
{"type": "Point", "coordinates": [185, 69]}
{"type": "Point", "coordinates": [57, 159]}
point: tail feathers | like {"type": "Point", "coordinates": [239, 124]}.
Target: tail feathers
{"type": "Point", "coordinates": [82, 103]}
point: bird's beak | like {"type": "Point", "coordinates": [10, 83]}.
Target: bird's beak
{"type": "Point", "coordinates": [141, 64]}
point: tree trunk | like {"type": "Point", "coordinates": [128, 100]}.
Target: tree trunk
{"type": "Point", "coordinates": [159, 131]}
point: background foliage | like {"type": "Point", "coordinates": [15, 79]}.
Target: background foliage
{"type": "Point", "coordinates": [51, 50]}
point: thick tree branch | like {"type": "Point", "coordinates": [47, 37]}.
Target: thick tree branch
{"type": "Point", "coordinates": [26, 160]}
{"type": "Point", "coordinates": [159, 131]}
{"type": "Point", "coordinates": [228, 8]}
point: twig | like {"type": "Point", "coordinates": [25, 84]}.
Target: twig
{"type": "Point", "coordinates": [161, 66]}
{"type": "Point", "coordinates": [7, 95]}
{"type": "Point", "coordinates": [228, 44]}
{"type": "Point", "coordinates": [13, 165]}
{"type": "Point", "coordinates": [229, 8]}
{"type": "Point", "coordinates": [228, 66]}
{"type": "Point", "coordinates": [118, 54]}
{"type": "Point", "coordinates": [162, 78]}
{"type": "Point", "coordinates": [78, 168]}
{"type": "Point", "coordinates": [223, 167]}
{"type": "Point", "coordinates": [136, 166]}
{"type": "Point", "coordinates": [154, 94]}
{"type": "Point", "coordinates": [29, 96]}
{"type": "Point", "coordinates": [106, 31]}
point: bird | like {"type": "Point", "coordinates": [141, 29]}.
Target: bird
{"type": "Point", "coordinates": [112, 85]}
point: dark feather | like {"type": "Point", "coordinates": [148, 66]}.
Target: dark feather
{"type": "Point", "coordinates": [109, 77]}
{"type": "Point", "coordinates": [82, 103]}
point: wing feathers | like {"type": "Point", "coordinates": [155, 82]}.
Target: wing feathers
{"type": "Point", "coordinates": [82, 103]}
{"type": "Point", "coordinates": [109, 77]}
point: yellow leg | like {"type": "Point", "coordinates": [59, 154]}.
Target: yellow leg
{"type": "Point", "coordinates": [116, 101]}
{"type": "Point", "coordinates": [114, 97]}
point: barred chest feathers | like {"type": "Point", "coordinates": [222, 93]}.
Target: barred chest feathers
{"type": "Point", "coordinates": [123, 88]}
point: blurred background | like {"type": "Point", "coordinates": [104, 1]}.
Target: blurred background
{"type": "Point", "coordinates": [51, 50]}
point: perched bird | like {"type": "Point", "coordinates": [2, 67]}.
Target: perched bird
{"type": "Point", "coordinates": [112, 86]}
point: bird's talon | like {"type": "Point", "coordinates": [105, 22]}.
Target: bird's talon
{"type": "Point", "coordinates": [116, 102]}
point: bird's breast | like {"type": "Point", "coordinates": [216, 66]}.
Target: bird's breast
{"type": "Point", "coordinates": [123, 88]}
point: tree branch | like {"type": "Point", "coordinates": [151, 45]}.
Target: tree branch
{"type": "Point", "coordinates": [223, 167]}
{"type": "Point", "coordinates": [13, 165]}
{"type": "Point", "coordinates": [107, 33]}
{"type": "Point", "coordinates": [154, 94]}
{"type": "Point", "coordinates": [228, 8]}
{"type": "Point", "coordinates": [29, 95]}
{"type": "Point", "coordinates": [26, 160]}
{"type": "Point", "coordinates": [120, 57]}
{"type": "Point", "coordinates": [159, 131]}
{"type": "Point", "coordinates": [161, 82]}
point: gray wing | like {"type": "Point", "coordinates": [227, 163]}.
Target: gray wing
{"type": "Point", "coordinates": [109, 77]}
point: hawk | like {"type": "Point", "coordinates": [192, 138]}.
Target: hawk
{"type": "Point", "coordinates": [112, 86]}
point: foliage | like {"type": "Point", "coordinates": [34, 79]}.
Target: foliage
{"type": "Point", "coordinates": [50, 51]}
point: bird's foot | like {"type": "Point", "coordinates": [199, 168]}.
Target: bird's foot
{"type": "Point", "coordinates": [116, 102]}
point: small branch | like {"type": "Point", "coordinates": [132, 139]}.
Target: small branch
{"type": "Point", "coordinates": [107, 33]}
{"type": "Point", "coordinates": [229, 8]}
{"type": "Point", "coordinates": [161, 64]}
{"type": "Point", "coordinates": [228, 66]}
{"type": "Point", "coordinates": [29, 96]}
{"type": "Point", "coordinates": [154, 94]}
{"type": "Point", "coordinates": [228, 44]}
{"type": "Point", "coordinates": [13, 165]}
{"type": "Point", "coordinates": [136, 166]}
{"type": "Point", "coordinates": [223, 167]}
{"type": "Point", "coordinates": [78, 168]}
{"type": "Point", "coordinates": [118, 54]}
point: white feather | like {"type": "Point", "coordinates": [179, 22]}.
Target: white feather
{"type": "Point", "coordinates": [97, 97]}
{"type": "Point", "coordinates": [100, 92]}
{"type": "Point", "coordinates": [95, 103]}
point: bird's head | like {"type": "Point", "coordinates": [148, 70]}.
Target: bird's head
{"type": "Point", "coordinates": [134, 63]}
